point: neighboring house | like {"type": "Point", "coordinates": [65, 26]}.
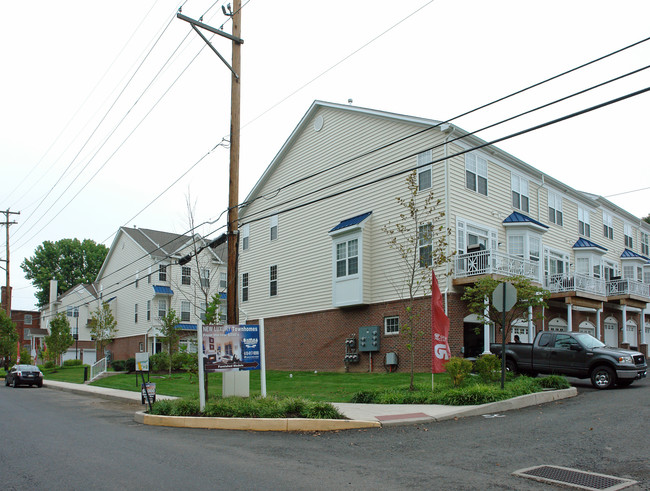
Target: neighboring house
{"type": "Point", "coordinates": [142, 281]}
{"type": "Point", "coordinates": [314, 262]}
{"type": "Point", "coordinates": [77, 304]}
{"type": "Point", "coordinates": [28, 325]}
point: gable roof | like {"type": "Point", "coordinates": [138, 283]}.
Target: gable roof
{"type": "Point", "coordinates": [469, 139]}
{"type": "Point", "coordinates": [156, 242]}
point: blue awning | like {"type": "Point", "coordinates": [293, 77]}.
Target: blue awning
{"type": "Point", "coordinates": [351, 222]}
{"type": "Point", "coordinates": [162, 290]}
{"type": "Point", "coordinates": [628, 254]}
{"type": "Point", "coordinates": [186, 327]}
{"type": "Point", "coordinates": [582, 242]}
{"type": "Point", "coordinates": [516, 217]}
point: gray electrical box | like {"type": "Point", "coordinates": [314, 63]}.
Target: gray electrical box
{"type": "Point", "coordinates": [369, 338]}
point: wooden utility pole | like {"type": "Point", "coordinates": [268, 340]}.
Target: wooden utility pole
{"type": "Point", "coordinates": [233, 200]}
{"type": "Point", "coordinates": [7, 260]}
{"type": "Point", "coordinates": [235, 94]}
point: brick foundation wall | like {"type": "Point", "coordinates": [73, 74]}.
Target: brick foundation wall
{"type": "Point", "coordinates": [316, 341]}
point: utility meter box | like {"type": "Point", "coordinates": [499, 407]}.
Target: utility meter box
{"type": "Point", "coordinates": [369, 338]}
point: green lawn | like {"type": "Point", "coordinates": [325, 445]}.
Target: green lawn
{"type": "Point", "coordinates": [321, 386]}
{"type": "Point", "coordinates": [74, 375]}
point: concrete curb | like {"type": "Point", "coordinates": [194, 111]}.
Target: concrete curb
{"type": "Point", "coordinates": [254, 424]}
{"type": "Point", "coordinates": [510, 404]}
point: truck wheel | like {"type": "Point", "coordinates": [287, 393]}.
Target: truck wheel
{"type": "Point", "coordinates": [511, 366]}
{"type": "Point", "coordinates": [603, 377]}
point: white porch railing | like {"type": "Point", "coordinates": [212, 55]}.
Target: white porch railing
{"type": "Point", "coordinates": [626, 286]}
{"type": "Point", "coordinates": [97, 369]}
{"type": "Point", "coordinates": [575, 282]}
{"type": "Point", "coordinates": [495, 262]}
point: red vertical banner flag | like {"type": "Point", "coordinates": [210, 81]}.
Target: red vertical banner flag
{"type": "Point", "coordinates": [440, 352]}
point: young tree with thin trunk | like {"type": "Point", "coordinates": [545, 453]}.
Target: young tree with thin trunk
{"type": "Point", "coordinates": [60, 337]}
{"type": "Point", "coordinates": [170, 334]}
{"type": "Point", "coordinates": [420, 239]}
{"type": "Point", "coordinates": [103, 326]}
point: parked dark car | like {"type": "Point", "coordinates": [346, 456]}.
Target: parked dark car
{"type": "Point", "coordinates": [24, 375]}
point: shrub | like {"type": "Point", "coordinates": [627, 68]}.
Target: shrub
{"type": "Point", "coordinates": [72, 363]}
{"type": "Point", "coordinates": [49, 364]}
{"type": "Point", "coordinates": [458, 369]}
{"type": "Point", "coordinates": [321, 410]}
{"type": "Point", "coordinates": [159, 362]}
{"type": "Point", "coordinates": [553, 382]}
{"type": "Point", "coordinates": [488, 367]}
{"type": "Point", "coordinates": [186, 407]}
{"type": "Point", "coordinates": [364, 397]}
{"type": "Point", "coordinates": [118, 365]}
{"type": "Point", "coordinates": [475, 394]}
{"type": "Point", "coordinates": [163, 407]}
{"type": "Point", "coordinates": [129, 365]}
{"type": "Point", "coordinates": [25, 356]}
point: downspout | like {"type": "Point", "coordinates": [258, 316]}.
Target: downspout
{"type": "Point", "coordinates": [451, 130]}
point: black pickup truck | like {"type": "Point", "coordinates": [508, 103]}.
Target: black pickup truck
{"type": "Point", "coordinates": [575, 354]}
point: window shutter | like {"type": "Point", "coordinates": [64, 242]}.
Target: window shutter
{"type": "Point", "coordinates": [460, 243]}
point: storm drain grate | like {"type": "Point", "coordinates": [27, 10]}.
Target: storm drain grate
{"type": "Point", "coordinates": [574, 478]}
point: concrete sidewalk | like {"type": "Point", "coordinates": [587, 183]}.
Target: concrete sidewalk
{"type": "Point", "coordinates": [359, 415]}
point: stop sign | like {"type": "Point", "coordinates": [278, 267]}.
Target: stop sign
{"type": "Point", "coordinates": [505, 291]}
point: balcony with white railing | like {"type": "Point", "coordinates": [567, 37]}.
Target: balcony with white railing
{"type": "Point", "coordinates": [626, 286]}
{"type": "Point", "coordinates": [494, 262]}
{"type": "Point", "coordinates": [575, 282]}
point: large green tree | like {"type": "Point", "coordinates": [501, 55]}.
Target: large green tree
{"type": "Point", "coordinates": [8, 339]}
{"type": "Point", "coordinates": [60, 337]}
{"type": "Point", "coordinates": [68, 261]}
{"type": "Point", "coordinates": [647, 219]}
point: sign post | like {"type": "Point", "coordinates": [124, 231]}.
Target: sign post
{"type": "Point", "coordinates": [504, 298]}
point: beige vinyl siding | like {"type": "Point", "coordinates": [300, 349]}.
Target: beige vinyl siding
{"type": "Point", "coordinates": [303, 251]}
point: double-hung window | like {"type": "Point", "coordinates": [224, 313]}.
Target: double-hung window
{"type": "Point", "coordinates": [645, 244]}
{"type": "Point", "coordinates": [608, 225]}
{"type": "Point", "coordinates": [245, 234]}
{"type": "Point", "coordinates": [162, 272]}
{"type": "Point", "coordinates": [148, 310]}
{"type": "Point", "coordinates": [627, 230]}
{"type": "Point", "coordinates": [424, 170]}
{"type": "Point", "coordinates": [244, 287]}
{"type": "Point", "coordinates": [162, 308]}
{"type": "Point", "coordinates": [186, 275]}
{"type": "Point", "coordinates": [555, 208]}
{"type": "Point", "coordinates": [205, 277]}
{"type": "Point", "coordinates": [273, 281]}
{"type": "Point", "coordinates": [425, 245]}
{"type": "Point", "coordinates": [185, 310]}
{"type": "Point", "coordinates": [347, 258]}
{"type": "Point", "coordinates": [223, 280]}
{"type": "Point", "coordinates": [476, 173]}
{"type": "Point", "coordinates": [203, 306]}
{"type": "Point", "coordinates": [274, 227]}
{"type": "Point", "coordinates": [520, 199]}
{"type": "Point", "coordinates": [584, 227]}
{"type": "Point", "coordinates": [135, 319]}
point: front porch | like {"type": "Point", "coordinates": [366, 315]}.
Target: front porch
{"type": "Point", "coordinates": [468, 267]}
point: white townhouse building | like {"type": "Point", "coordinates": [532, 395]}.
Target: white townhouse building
{"type": "Point", "coordinates": [77, 304]}
{"type": "Point", "coordinates": [315, 264]}
{"type": "Point", "coordinates": [142, 281]}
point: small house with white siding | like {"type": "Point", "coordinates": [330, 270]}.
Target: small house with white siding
{"type": "Point", "coordinates": [142, 281]}
{"type": "Point", "coordinates": [315, 264]}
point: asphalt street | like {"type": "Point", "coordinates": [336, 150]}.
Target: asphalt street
{"type": "Point", "coordinates": [56, 440]}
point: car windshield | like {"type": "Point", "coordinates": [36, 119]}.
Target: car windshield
{"type": "Point", "coordinates": [588, 341]}
{"type": "Point", "coordinates": [27, 368]}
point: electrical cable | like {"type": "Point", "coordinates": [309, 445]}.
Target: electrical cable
{"type": "Point", "coordinates": [500, 99]}
{"type": "Point", "coordinates": [276, 192]}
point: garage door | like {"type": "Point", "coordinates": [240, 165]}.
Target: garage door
{"type": "Point", "coordinates": [611, 336]}
{"type": "Point", "coordinates": [631, 334]}
{"type": "Point", "coordinates": [89, 356]}
{"type": "Point", "coordinates": [68, 355]}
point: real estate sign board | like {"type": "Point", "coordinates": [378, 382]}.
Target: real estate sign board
{"type": "Point", "coordinates": [231, 347]}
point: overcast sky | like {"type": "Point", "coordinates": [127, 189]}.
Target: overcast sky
{"type": "Point", "coordinates": [79, 161]}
